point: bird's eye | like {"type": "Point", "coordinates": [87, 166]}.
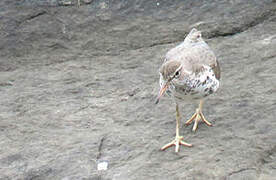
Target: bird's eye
{"type": "Point", "coordinates": [177, 73]}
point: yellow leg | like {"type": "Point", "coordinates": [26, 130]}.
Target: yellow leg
{"type": "Point", "coordinates": [198, 115]}
{"type": "Point", "coordinates": [178, 139]}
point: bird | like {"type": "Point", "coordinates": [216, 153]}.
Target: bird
{"type": "Point", "coordinates": [190, 72]}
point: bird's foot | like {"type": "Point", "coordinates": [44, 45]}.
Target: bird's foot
{"type": "Point", "coordinates": [198, 115]}
{"type": "Point", "coordinates": [176, 142]}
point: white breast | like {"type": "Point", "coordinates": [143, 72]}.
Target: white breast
{"type": "Point", "coordinates": [196, 86]}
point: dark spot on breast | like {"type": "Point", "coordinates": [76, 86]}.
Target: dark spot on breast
{"type": "Point", "coordinates": [193, 92]}
{"type": "Point", "coordinates": [211, 91]}
{"type": "Point", "coordinates": [208, 78]}
{"type": "Point", "coordinates": [187, 90]}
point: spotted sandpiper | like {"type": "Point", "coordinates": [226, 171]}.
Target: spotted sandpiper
{"type": "Point", "coordinates": [190, 72]}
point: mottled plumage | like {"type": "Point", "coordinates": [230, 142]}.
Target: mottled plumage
{"type": "Point", "coordinates": [199, 74]}
{"type": "Point", "coordinates": [190, 71]}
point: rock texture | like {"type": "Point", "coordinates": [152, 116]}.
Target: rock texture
{"type": "Point", "coordinates": [77, 87]}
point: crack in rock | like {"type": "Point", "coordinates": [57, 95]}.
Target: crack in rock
{"type": "Point", "coordinates": [258, 20]}
{"type": "Point", "coordinates": [240, 170]}
{"type": "Point", "coordinates": [100, 148]}
{"type": "Point", "coordinates": [32, 16]}
{"type": "Point", "coordinates": [235, 30]}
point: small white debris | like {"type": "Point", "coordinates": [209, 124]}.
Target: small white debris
{"type": "Point", "coordinates": [102, 166]}
{"type": "Point", "coordinates": [158, 4]}
{"type": "Point", "coordinates": [103, 5]}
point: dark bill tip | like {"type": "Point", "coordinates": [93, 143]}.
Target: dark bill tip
{"type": "Point", "coordinates": [156, 101]}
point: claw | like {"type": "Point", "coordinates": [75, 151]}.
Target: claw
{"type": "Point", "coordinates": [204, 120]}
{"type": "Point", "coordinates": [191, 119]}
{"type": "Point", "coordinates": [176, 142]}
{"type": "Point", "coordinates": [198, 115]}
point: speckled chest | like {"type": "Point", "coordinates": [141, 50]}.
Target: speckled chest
{"type": "Point", "coordinates": [194, 86]}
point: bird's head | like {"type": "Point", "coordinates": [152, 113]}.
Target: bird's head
{"type": "Point", "coordinates": [170, 71]}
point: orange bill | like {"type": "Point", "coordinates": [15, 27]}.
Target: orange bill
{"type": "Point", "coordinates": [161, 92]}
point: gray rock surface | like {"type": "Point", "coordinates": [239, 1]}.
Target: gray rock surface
{"type": "Point", "coordinates": [77, 87]}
